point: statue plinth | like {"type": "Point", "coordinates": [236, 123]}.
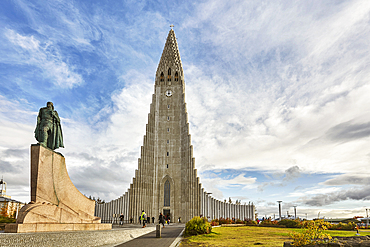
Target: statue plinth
{"type": "Point", "coordinates": [56, 204]}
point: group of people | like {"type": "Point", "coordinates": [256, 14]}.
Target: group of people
{"type": "Point", "coordinates": [143, 218]}
{"type": "Point", "coordinates": [162, 219]}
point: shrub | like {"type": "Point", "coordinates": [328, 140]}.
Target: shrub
{"type": "Point", "coordinates": [250, 222]}
{"type": "Point", "coordinates": [6, 220]}
{"type": "Point", "coordinates": [290, 223]}
{"type": "Point", "coordinates": [312, 234]}
{"type": "Point", "coordinates": [225, 221]}
{"type": "Point", "coordinates": [342, 226]}
{"type": "Point", "coordinates": [197, 226]}
{"type": "Point", "coordinates": [239, 221]}
{"type": "Point", "coordinates": [215, 222]}
{"type": "Point", "coordinates": [269, 222]}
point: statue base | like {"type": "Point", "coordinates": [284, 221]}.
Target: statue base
{"type": "Point", "coordinates": [56, 204]}
{"type": "Point", "coordinates": [54, 227]}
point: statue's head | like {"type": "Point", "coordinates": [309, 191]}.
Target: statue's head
{"type": "Point", "coordinates": [50, 105]}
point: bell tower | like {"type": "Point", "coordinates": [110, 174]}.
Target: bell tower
{"type": "Point", "coordinates": [166, 181]}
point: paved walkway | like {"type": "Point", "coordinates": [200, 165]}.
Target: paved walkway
{"type": "Point", "coordinates": [169, 235]}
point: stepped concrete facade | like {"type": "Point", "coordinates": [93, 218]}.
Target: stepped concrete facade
{"type": "Point", "coordinates": [166, 180]}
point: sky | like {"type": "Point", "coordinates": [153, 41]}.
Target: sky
{"type": "Point", "coordinates": [277, 93]}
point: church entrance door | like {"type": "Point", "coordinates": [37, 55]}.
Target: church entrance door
{"type": "Point", "coordinates": [167, 212]}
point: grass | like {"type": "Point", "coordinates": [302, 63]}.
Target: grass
{"type": "Point", "coordinates": [251, 236]}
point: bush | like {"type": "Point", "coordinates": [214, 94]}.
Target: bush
{"type": "Point", "coordinates": [342, 226]}
{"type": "Point", "coordinates": [215, 222]}
{"type": "Point", "coordinates": [6, 219]}
{"type": "Point", "coordinates": [250, 222]}
{"type": "Point", "coordinates": [197, 226]}
{"type": "Point", "coordinates": [312, 234]}
{"type": "Point", "coordinates": [225, 221]}
{"type": "Point", "coordinates": [291, 223]}
{"type": "Point", "coordinates": [269, 222]}
{"type": "Point", "coordinates": [239, 221]}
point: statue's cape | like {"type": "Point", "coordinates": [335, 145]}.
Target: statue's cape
{"type": "Point", "coordinates": [57, 136]}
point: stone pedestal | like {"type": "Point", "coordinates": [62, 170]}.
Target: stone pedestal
{"type": "Point", "coordinates": [56, 204]}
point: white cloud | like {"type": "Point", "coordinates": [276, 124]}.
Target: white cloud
{"type": "Point", "coordinates": [43, 55]}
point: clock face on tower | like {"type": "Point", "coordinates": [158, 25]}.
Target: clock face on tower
{"type": "Point", "coordinates": [168, 93]}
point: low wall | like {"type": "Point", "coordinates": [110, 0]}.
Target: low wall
{"type": "Point", "coordinates": [76, 239]}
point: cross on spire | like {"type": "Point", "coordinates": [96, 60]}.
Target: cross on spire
{"type": "Point", "coordinates": [172, 26]}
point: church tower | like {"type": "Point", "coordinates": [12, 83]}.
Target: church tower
{"type": "Point", "coordinates": [166, 181]}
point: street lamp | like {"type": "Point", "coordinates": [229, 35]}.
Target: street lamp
{"type": "Point", "coordinates": [279, 209]}
{"type": "Point", "coordinates": [367, 218]}
{"type": "Point", "coordinates": [295, 212]}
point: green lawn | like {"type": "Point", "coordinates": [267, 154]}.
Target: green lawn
{"type": "Point", "coordinates": [251, 236]}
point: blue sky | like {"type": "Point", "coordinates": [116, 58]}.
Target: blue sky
{"type": "Point", "coordinates": [277, 94]}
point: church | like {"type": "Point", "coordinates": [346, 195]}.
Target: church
{"type": "Point", "coordinates": [166, 180]}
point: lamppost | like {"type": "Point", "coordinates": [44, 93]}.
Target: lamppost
{"type": "Point", "coordinates": [318, 215]}
{"type": "Point", "coordinates": [367, 219]}
{"type": "Point", "coordinates": [295, 212]}
{"type": "Point", "coordinates": [279, 209]}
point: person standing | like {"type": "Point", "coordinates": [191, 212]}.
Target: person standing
{"type": "Point", "coordinates": [161, 219]}
{"type": "Point", "coordinates": [153, 219]}
{"type": "Point", "coordinates": [121, 217]}
{"type": "Point", "coordinates": [143, 218]}
{"type": "Point", "coordinates": [140, 220]}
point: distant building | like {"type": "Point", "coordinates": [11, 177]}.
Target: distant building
{"type": "Point", "coordinates": [8, 206]}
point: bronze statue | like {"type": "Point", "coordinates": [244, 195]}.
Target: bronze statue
{"type": "Point", "coordinates": [48, 130]}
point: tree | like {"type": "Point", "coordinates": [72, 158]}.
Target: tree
{"type": "Point", "coordinates": [4, 209]}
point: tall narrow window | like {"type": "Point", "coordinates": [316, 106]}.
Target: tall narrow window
{"type": "Point", "coordinates": [176, 76]}
{"type": "Point", "coordinates": [167, 193]}
{"type": "Point", "coordinates": [168, 118]}
{"type": "Point", "coordinates": [162, 76]}
{"type": "Point", "coordinates": [168, 141]}
{"type": "Point", "coordinates": [169, 75]}
{"type": "Point", "coordinates": [168, 154]}
{"type": "Point", "coordinates": [168, 106]}
{"type": "Point", "coordinates": [168, 130]}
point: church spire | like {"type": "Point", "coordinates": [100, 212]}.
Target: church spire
{"type": "Point", "coordinates": [170, 64]}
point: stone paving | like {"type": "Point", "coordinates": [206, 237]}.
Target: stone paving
{"type": "Point", "coordinates": [114, 237]}
{"type": "Point", "coordinates": [169, 238]}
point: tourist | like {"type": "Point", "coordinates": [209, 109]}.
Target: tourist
{"type": "Point", "coordinates": [131, 220]}
{"type": "Point", "coordinates": [140, 220]}
{"type": "Point", "coordinates": [121, 217]}
{"type": "Point", "coordinates": [153, 219]}
{"type": "Point", "coordinates": [161, 219]}
{"type": "Point", "coordinates": [143, 218]}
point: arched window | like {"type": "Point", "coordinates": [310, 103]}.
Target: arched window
{"type": "Point", "coordinates": [169, 75]}
{"type": "Point", "coordinates": [176, 76]}
{"type": "Point", "coordinates": [162, 76]}
{"type": "Point", "coordinates": [167, 192]}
